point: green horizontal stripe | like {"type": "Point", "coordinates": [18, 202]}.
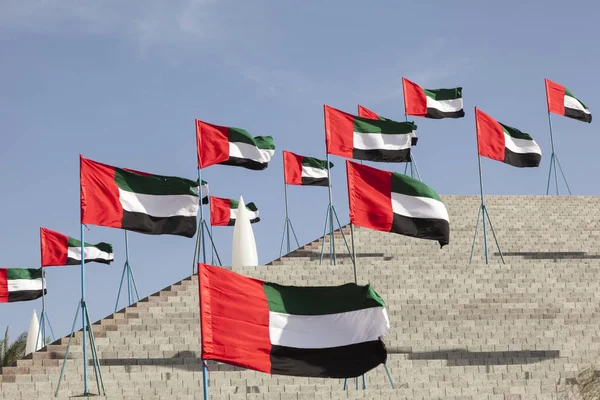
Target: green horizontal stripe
{"type": "Point", "coordinates": [316, 163]}
{"type": "Point", "coordinates": [158, 185]}
{"type": "Point", "coordinates": [233, 204]}
{"type": "Point", "coordinates": [514, 132]}
{"type": "Point", "coordinates": [444, 94]}
{"type": "Point", "coordinates": [320, 300]}
{"type": "Point", "coordinates": [365, 125]}
{"type": "Point", "coordinates": [237, 135]}
{"type": "Point", "coordinates": [23, 273]}
{"type": "Point", "coordinates": [105, 247]}
{"type": "Point", "coordinates": [411, 187]}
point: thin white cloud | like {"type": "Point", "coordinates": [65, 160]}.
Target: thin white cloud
{"type": "Point", "coordinates": [150, 22]}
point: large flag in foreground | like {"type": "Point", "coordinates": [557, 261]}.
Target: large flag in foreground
{"type": "Point", "coordinates": [223, 212]}
{"type": "Point", "coordinates": [562, 102]}
{"type": "Point", "coordinates": [351, 136]}
{"type": "Point", "coordinates": [327, 332]}
{"type": "Point", "coordinates": [58, 249]}
{"type": "Point", "coordinates": [137, 201]}
{"type": "Point", "coordinates": [20, 284]}
{"type": "Point", "coordinates": [392, 202]}
{"type": "Point", "coordinates": [432, 103]}
{"type": "Point", "coordinates": [366, 113]}
{"type": "Point", "coordinates": [504, 143]}
{"type": "Point", "coordinates": [304, 171]}
{"type": "Point", "coordinates": [232, 146]}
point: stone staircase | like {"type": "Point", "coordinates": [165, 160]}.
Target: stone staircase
{"type": "Point", "coordinates": [520, 330]}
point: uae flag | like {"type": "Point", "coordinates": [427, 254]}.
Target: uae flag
{"type": "Point", "coordinates": [304, 171]}
{"type": "Point", "coordinates": [223, 212]}
{"type": "Point", "coordinates": [432, 103]}
{"type": "Point", "coordinates": [392, 202]}
{"type": "Point", "coordinates": [314, 331]}
{"type": "Point", "coordinates": [137, 201]}
{"type": "Point", "coordinates": [59, 249]}
{"type": "Point", "coordinates": [351, 136]}
{"type": "Point", "coordinates": [232, 146]}
{"type": "Point", "coordinates": [20, 284]}
{"type": "Point", "coordinates": [562, 102]}
{"type": "Point", "coordinates": [504, 143]}
{"type": "Point", "coordinates": [366, 113]}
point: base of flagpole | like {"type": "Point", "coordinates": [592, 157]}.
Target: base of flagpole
{"type": "Point", "coordinates": [288, 232]}
{"type": "Point", "coordinates": [95, 360]}
{"type": "Point", "coordinates": [132, 292]}
{"type": "Point", "coordinates": [483, 214]}
{"type": "Point", "coordinates": [200, 241]}
{"type": "Point", "coordinates": [329, 221]}
{"type": "Point", "coordinates": [554, 163]}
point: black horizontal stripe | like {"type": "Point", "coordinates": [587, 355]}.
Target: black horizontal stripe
{"type": "Point", "coordinates": [422, 228]}
{"type": "Point", "coordinates": [522, 160]}
{"type": "Point", "coordinates": [414, 140]}
{"type": "Point", "coordinates": [578, 114]}
{"type": "Point", "coordinates": [315, 181]}
{"type": "Point", "coordinates": [144, 223]}
{"type": "Point", "coordinates": [334, 362]}
{"type": "Point", "coordinates": [245, 163]}
{"type": "Point", "coordinates": [434, 113]}
{"type": "Point", "coordinates": [205, 200]}
{"type": "Point", "coordinates": [73, 261]}
{"type": "Point", "coordinates": [25, 295]}
{"type": "Point", "coordinates": [382, 155]}
{"type": "Point", "coordinates": [252, 221]}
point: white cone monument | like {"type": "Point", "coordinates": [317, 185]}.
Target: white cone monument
{"type": "Point", "coordinates": [34, 339]}
{"type": "Point", "coordinates": [243, 249]}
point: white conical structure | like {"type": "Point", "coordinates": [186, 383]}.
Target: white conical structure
{"type": "Point", "coordinates": [243, 249]}
{"type": "Point", "coordinates": [34, 339]}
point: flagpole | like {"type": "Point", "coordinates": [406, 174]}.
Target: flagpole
{"type": "Point", "coordinates": [201, 237]}
{"type": "Point", "coordinates": [482, 207]}
{"type": "Point", "coordinates": [287, 218]}
{"type": "Point", "coordinates": [83, 315]}
{"type": "Point", "coordinates": [332, 258]}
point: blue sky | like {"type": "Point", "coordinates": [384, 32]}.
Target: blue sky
{"type": "Point", "coordinates": [122, 81]}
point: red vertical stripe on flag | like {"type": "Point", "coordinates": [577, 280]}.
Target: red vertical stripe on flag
{"type": "Point", "coordinates": [339, 132]}
{"type": "Point", "coordinates": [490, 136]}
{"type": "Point", "coordinates": [555, 96]}
{"type": "Point", "coordinates": [54, 248]}
{"type": "Point", "coordinates": [292, 168]}
{"type": "Point", "coordinates": [213, 144]}
{"type": "Point", "coordinates": [370, 196]}
{"type": "Point", "coordinates": [415, 101]}
{"type": "Point", "coordinates": [100, 203]}
{"type": "Point", "coordinates": [366, 113]}
{"type": "Point", "coordinates": [3, 285]}
{"type": "Point", "coordinates": [234, 319]}
{"type": "Point", "coordinates": [219, 211]}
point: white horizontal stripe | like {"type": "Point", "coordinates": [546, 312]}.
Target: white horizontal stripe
{"type": "Point", "coordinates": [573, 103]}
{"type": "Point", "coordinates": [16, 285]}
{"type": "Point", "coordinates": [159, 206]}
{"type": "Point", "coordinates": [445, 105]}
{"type": "Point", "coordinates": [378, 141]}
{"type": "Point", "coordinates": [204, 190]}
{"type": "Point", "coordinates": [233, 213]}
{"type": "Point", "coordinates": [521, 146]}
{"type": "Point", "coordinates": [311, 172]}
{"type": "Point", "coordinates": [247, 151]}
{"type": "Point", "coordinates": [331, 330]}
{"type": "Point", "coordinates": [91, 253]}
{"type": "Point", "coordinates": [418, 207]}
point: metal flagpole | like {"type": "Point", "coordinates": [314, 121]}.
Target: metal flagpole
{"type": "Point", "coordinates": [202, 247]}
{"type": "Point", "coordinates": [482, 209]}
{"type": "Point", "coordinates": [554, 163]}
{"type": "Point", "coordinates": [83, 315]}
{"type": "Point", "coordinates": [332, 258]}
{"type": "Point", "coordinates": [132, 293]}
